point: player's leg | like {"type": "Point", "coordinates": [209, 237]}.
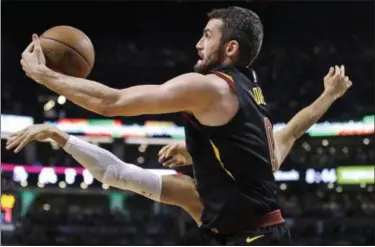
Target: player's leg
{"type": "Point", "coordinates": [175, 190]}
{"type": "Point", "coordinates": [108, 169]}
{"type": "Point", "coordinates": [180, 190]}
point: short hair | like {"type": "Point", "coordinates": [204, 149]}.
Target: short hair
{"type": "Point", "coordinates": [244, 26]}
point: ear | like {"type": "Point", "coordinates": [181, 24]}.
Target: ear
{"type": "Point", "coordinates": [232, 48]}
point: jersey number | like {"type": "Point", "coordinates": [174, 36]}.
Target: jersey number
{"type": "Point", "coordinates": [271, 144]}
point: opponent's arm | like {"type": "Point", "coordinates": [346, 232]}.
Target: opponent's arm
{"type": "Point", "coordinates": [102, 164]}
{"type": "Point", "coordinates": [298, 125]}
{"type": "Point", "coordinates": [336, 84]}
{"type": "Point", "coordinates": [175, 155]}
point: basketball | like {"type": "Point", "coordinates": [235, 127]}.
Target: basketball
{"type": "Point", "coordinates": [68, 51]}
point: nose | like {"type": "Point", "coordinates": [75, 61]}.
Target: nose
{"type": "Point", "coordinates": [199, 45]}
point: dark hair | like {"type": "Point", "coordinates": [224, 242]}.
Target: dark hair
{"type": "Point", "coordinates": [244, 26]}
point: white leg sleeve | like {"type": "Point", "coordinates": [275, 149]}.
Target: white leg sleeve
{"type": "Point", "coordinates": [108, 169]}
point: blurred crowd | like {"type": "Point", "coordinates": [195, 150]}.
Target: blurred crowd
{"type": "Point", "coordinates": [328, 205]}
{"type": "Point", "coordinates": [291, 65]}
{"type": "Point", "coordinates": [327, 218]}
{"type": "Point", "coordinates": [317, 219]}
{"type": "Point", "coordinates": [331, 152]}
{"type": "Point", "coordinates": [307, 153]}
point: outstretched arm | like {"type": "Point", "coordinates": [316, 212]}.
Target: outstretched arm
{"type": "Point", "coordinates": [335, 84]}
{"type": "Point", "coordinates": [188, 92]}
{"type": "Point", "coordinates": [103, 165]}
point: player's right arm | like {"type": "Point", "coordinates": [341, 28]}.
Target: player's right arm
{"type": "Point", "coordinates": [335, 85]}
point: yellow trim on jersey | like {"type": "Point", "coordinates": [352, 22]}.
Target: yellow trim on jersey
{"type": "Point", "coordinates": [249, 240]}
{"type": "Point", "coordinates": [226, 75]}
{"type": "Point", "coordinates": [217, 154]}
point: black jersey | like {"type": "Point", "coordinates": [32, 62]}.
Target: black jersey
{"type": "Point", "coordinates": [233, 163]}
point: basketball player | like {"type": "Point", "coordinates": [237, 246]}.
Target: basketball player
{"type": "Point", "coordinates": [228, 132]}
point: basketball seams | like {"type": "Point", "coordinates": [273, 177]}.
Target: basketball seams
{"type": "Point", "coordinates": [69, 46]}
{"type": "Point", "coordinates": [76, 30]}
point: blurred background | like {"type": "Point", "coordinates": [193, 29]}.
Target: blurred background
{"type": "Point", "coordinates": [326, 184]}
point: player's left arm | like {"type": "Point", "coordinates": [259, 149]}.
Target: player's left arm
{"type": "Point", "coordinates": [188, 92]}
{"type": "Point", "coordinates": [335, 85]}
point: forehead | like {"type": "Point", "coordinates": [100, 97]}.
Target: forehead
{"type": "Point", "coordinates": [214, 25]}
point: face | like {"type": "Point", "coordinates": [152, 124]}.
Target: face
{"type": "Point", "coordinates": [209, 47]}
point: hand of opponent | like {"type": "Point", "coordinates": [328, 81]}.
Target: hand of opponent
{"type": "Point", "coordinates": [336, 83]}
{"type": "Point", "coordinates": [20, 139]}
{"type": "Point", "coordinates": [174, 155]}
{"type": "Point", "coordinates": [33, 61]}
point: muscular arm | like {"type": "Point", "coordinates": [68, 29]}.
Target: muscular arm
{"type": "Point", "coordinates": [188, 92]}
{"type": "Point", "coordinates": [298, 125]}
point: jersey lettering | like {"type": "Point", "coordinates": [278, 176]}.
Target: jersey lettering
{"type": "Point", "coordinates": [257, 95]}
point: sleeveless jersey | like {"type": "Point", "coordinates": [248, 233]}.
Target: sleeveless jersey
{"type": "Point", "coordinates": [233, 163]}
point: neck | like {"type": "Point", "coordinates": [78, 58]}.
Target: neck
{"type": "Point", "coordinates": [227, 62]}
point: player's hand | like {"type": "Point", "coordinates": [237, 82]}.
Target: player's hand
{"type": "Point", "coordinates": [336, 83]}
{"type": "Point", "coordinates": [174, 155]}
{"type": "Point", "coordinates": [33, 61]}
{"type": "Point", "coordinates": [20, 139]}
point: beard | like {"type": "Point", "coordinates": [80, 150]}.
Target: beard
{"type": "Point", "coordinates": [205, 65]}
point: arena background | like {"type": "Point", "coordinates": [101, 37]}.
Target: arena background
{"type": "Point", "coordinates": [326, 184]}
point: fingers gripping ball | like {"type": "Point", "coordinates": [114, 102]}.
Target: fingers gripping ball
{"type": "Point", "coordinates": [68, 51]}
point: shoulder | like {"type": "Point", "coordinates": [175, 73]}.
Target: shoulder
{"type": "Point", "coordinates": [195, 82]}
{"type": "Point", "coordinates": [195, 90]}
{"type": "Point", "coordinates": [222, 81]}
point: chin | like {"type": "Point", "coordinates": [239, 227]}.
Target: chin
{"type": "Point", "coordinates": [198, 69]}
{"type": "Point", "coordinates": [203, 69]}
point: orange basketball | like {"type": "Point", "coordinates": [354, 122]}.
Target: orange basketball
{"type": "Point", "coordinates": [68, 51]}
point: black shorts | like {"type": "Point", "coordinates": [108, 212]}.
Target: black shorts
{"type": "Point", "coordinates": [271, 235]}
